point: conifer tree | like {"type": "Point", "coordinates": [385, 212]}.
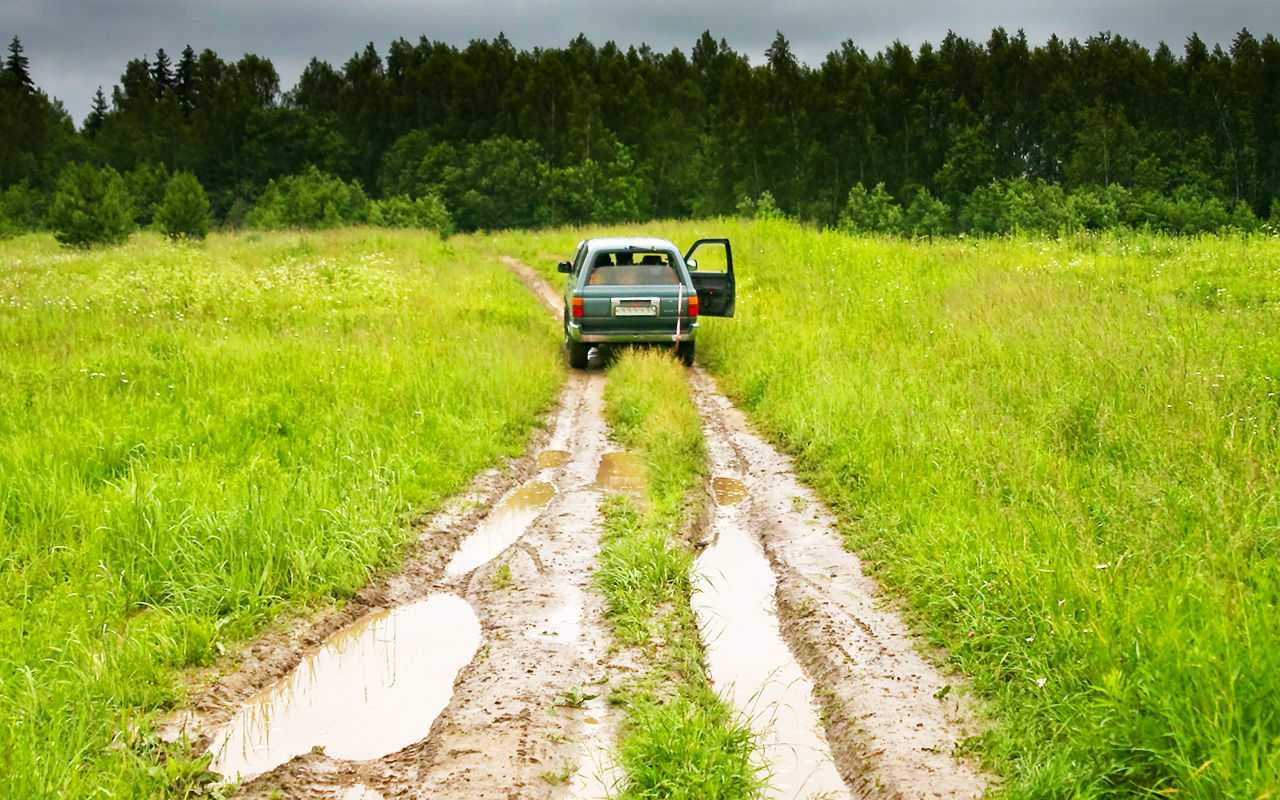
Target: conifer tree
{"type": "Point", "coordinates": [17, 67]}
{"type": "Point", "coordinates": [97, 114]}
{"type": "Point", "coordinates": [162, 73]}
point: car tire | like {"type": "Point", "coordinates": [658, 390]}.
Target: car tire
{"type": "Point", "coordinates": [685, 351]}
{"type": "Point", "coordinates": [577, 353]}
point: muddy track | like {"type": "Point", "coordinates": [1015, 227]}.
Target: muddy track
{"type": "Point", "coordinates": [524, 717]}
{"type": "Point", "coordinates": [888, 733]}
{"type": "Point", "coordinates": [843, 702]}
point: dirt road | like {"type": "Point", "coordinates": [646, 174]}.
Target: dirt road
{"type": "Point", "coordinates": [481, 669]}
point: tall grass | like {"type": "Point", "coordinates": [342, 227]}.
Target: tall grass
{"type": "Point", "coordinates": [195, 438]}
{"type": "Point", "coordinates": [680, 740]}
{"type": "Point", "coordinates": [1063, 456]}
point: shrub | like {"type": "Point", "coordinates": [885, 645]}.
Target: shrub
{"type": "Point", "coordinates": [184, 212]}
{"type": "Point", "coordinates": [1242, 218]}
{"type": "Point", "coordinates": [767, 207]}
{"type": "Point", "coordinates": [147, 184]}
{"type": "Point", "coordinates": [870, 212]}
{"type": "Point", "coordinates": [91, 206]}
{"type": "Point", "coordinates": [428, 212]}
{"type": "Point", "coordinates": [312, 199]}
{"type": "Point", "coordinates": [21, 209]}
{"type": "Point", "coordinates": [926, 216]}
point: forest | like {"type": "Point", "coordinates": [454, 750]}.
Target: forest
{"type": "Point", "coordinates": [958, 136]}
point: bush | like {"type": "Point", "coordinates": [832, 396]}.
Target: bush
{"type": "Point", "coordinates": [313, 199]}
{"type": "Point", "coordinates": [767, 207]}
{"type": "Point", "coordinates": [147, 183]}
{"type": "Point", "coordinates": [926, 216]}
{"type": "Point", "coordinates": [870, 212]}
{"type": "Point", "coordinates": [428, 212]}
{"type": "Point", "coordinates": [184, 212]}
{"type": "Point", "coordinates": [21, 209]}
{"type": "Point", "coordinates": [91, 206]}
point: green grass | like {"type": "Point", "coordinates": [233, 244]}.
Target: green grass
{"type": "Point", "coordinates": [1062, 455]}
{"type": "Point", "coordinates": [194, 439]}
{"type": "Point", "coordinates": [680, 740]}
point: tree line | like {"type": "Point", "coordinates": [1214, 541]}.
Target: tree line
{"type": "Point", "coordinates": [964, 132]}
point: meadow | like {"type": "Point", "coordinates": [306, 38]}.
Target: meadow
{"type": "Point", "coordinates": [1060, 457]}
{"type": "Point", "coordinates": [197, 439]}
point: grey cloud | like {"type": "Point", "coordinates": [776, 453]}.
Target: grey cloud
{"type": "Point", "coordinates": [75, 46]}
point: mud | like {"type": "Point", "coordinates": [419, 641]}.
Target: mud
{"type": "Point", "coordinates": [889, 735]}
{"type": "Point", "coordinates": [751, 665]}
{"type": "Point", "coordinates": [502, 527]}
{"type": "Point", "coordinates": [728, 491]}
{"type": "Point", "coordinates": [372, 688]}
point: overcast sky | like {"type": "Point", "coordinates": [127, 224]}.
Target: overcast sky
{"type": "Point", "coordinates": [75, 46]}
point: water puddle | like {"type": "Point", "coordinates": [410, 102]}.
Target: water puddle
{"type": "Point", "coordinates": [501, 528]}
{"type": "Point", "coordinates": [359, 792]}
{"type": "Point", "coordinates": [621, 472]}
{"type": "Point", "coordinates": [752, 665]}
{"type": "Point", "coordinates": [552, 458]}
{"type": "Point", "coordinates": [728, 491]}
{"type": "Point", "coordinates": [372, 688]}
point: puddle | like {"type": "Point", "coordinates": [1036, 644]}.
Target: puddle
{"type": "Point", "coordinates": [372, 688]}
{"type": "Point", "coordinates": [751, 664]}
{"type": "Point", "coordinates": [501, 528]}
{"type": "Point", "coordinates": [359, 792]}
{"type": "Point", "coordinates": [728, 491]}
{"type": "Point", "coordinates": [621, 472]}
{"type": "Point", "coordinates": [552, 458]}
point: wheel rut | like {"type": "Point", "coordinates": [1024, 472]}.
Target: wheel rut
{"type": "Point", "coordinates": [887, 731]}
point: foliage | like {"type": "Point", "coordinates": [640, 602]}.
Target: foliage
{"type": "Point", "coordinates": [312, 199]}
{"type": "Point", "coordinates": [91, 206]}
{"type": "Point", "coordinates": [184, 212]}
{"type": "Point", "coordinates": [21, 209]}
{"type": "Point", "coordinates": [147, 184]}
{"type": "Point", "coordinates": [926, 215]}
{"type": "Point", "coordinates": [427, 212]}
{"type": "Point", "coordinates": [196, 440]}
{"type": "Point", "coordinates": [870, 212]}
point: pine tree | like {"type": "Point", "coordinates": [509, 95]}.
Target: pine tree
{"type": "Point", "coordinates": [17, 66]}
{"type": "Point", "coordinates": [162, 73]}
{"type": "Point", "coordinates": [97, 114]}
{"type": "Point", "coordinates": [184, 213]}
{"type": "Point", "coordinates": [186, 87]}
{"type": "Point", "coordinates": [91, 206]}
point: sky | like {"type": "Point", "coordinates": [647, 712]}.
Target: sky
{"type": "Point", "coordinates": [75, 46]}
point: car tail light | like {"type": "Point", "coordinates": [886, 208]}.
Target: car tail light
{"type": "Point", "coordinates": [577, 308]}
{"type": "Point", "coordinates": [693, 306]}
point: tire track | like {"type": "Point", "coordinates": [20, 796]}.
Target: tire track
{"type": "Point", "coordinates": [891, 736]}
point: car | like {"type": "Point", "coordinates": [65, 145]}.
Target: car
{"type": "Point", "coordinates": [642, 290]}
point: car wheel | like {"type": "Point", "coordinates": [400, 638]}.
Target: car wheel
{"type": "Point", "coordinates": [577, 352]}
{"type": "Point", "coordinates": [685, 351]}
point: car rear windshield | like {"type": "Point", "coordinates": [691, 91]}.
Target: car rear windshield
{"type": "Point", "coordinates": [633, 268]}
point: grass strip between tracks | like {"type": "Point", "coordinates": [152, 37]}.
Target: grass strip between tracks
{"type": "Point", "coordinates": [679, 740]}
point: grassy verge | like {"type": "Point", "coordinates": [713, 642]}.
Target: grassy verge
{"type": "Point", "coordinates": [193, 439]}
{"type": "Point", "coordinates": [679, 739]}
{"type": "Point", "coordinates": [1063, 455]}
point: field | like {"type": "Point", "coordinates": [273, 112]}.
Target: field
{"type": "Point", "coordinates": [1060, 459]}
{"type": "Point", "coordinates": [193, 440]}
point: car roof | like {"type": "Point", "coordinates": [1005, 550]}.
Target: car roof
{"type": "Point", "coordinates": [630, 242]}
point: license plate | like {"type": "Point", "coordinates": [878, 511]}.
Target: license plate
{"type": "Point", "coordinates": [635, 311]}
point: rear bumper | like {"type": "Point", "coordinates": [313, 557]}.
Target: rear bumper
{"type": "Point", "coordinates": [576, 333]}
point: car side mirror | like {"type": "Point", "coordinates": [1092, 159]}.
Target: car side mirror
{"type": "Point", "coordinates": [692, 263]}
{"type": "Point", "coordinates": [565, 267]}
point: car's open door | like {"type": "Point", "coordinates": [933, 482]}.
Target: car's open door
{"type": "Point", "coordinates": [714, 286]}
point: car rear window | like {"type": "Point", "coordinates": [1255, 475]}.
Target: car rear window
{"type": "Point", "coordinates": [632, 268]}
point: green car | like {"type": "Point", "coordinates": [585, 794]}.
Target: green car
{"type": "Point", "coordinates": [643, 291]}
